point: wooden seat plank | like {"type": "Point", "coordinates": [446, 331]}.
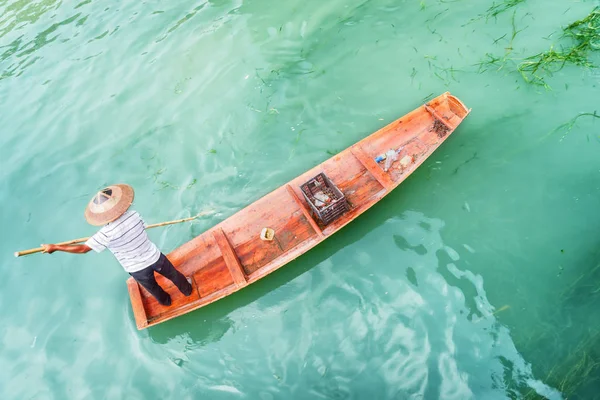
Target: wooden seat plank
{"type": "Point", "coordinates": [304, 210]}
{"type": "Point", "coordinates": [370, 165]}
{"type": "Point", "coordinates": [438, 117]}
{"type": "Point", "coordinates": [231, 259]}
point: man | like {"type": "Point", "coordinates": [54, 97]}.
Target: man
{"type": "Point", "coordinates": [123, 233]}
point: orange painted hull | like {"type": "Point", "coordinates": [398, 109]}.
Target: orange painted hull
{"type": "Point", "coordinates": [231, 255]}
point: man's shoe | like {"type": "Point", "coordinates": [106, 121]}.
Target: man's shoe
{"type": "Point", "coordinates": [167, 302]}
{"type": "Point", "coordinates": [191, 287]}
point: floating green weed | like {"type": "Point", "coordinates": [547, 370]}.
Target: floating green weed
{"type": "Point", "coordinates": [533, 68]}
{"type": "Point", "coordinates": [585, 35]}
{"type": "Point", "coordinates": [427, 98]}
{"type": "Point", "coordinates": [445, 74]}
{"type": "Point", "coordinates": [586, 31]}
{"type": "Point", "coordinates": [499, 8]}
{"type": "Point", "coordinates": [568, 126]}
{"type": "Point", "coordinates": [168, 185]}
{"type": "Point", "coordinates": [412, 75]}
{"type": "Point", "coordinates": [192, 183]}
{"type": "Point", "coordinates": [500, 62]}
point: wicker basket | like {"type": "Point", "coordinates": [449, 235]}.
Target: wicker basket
{"type": "Point", "coordinates": [321, 186]}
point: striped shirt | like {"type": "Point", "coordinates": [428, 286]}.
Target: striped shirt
{"type": "Point", "coordinates": [126, 238]}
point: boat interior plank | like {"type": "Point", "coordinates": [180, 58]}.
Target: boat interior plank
{"type": "Point", "coordinates": [178, 299]}
{"type": "Point", "coordinates": [213, 277]}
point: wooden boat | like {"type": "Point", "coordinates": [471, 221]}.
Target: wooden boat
{"type": "Point", "coordinates": [231, 255]}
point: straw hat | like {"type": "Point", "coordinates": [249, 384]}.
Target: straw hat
{"type": "Point", "coordinates": [109, 204]}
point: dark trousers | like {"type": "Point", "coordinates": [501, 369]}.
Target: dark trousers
{"type": "Point", "coordinates": [164, 267]}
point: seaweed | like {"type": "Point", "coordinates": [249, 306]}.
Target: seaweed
{"type": "Point", "coordinates": [496, 9]}
{"type": "Point", "coordinates": [473, 157]}
{"type": "Point", "coordinates": [168, 185]}
{"type": "Point", "coordinates": [568, 126]}
{"type": "Point", "coordinates": [574, 366]}
{"type": "Point", "coordinates": [581, 369]}
{"type": "Point", "coordinates": [445, 74]}
{"type": "Point", "coordinates": [586, 31]}
{"type": "Point", "coordinates": [499, 8]}
{"type": "Point", "coordinates": [501, 61]}
{"type": "Point", "coordinates": [577, 374]}
{"type": "Point", "coordinates": [427, 98]}
{"type": "Point", "coordinates": [412, 75]}
{"type": "Point", "coordinates": [585, 37]}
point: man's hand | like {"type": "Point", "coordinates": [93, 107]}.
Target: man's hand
{"type": "Point", "coordinates": [49, 248]}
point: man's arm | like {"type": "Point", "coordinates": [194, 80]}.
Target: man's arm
{"type": "Point", "coordinates": [67, 248]}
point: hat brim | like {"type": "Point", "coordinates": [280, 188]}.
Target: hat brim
{"type": "Point", "coordinates": [99, 219]}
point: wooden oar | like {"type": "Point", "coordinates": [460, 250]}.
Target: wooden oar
{"type": "Point", "coordinates": [81, 240]}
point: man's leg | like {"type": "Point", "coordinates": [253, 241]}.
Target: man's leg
{"type": "Point", "coordinates": [164, 267]}
{"type": "Point", "coordinates": [146, 278]}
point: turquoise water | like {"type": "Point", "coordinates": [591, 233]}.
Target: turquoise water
{"type": "Point", "coordinates": [478, 278]}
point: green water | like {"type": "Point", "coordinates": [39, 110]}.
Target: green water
{"type": "Point", "coordinates": [478, 278]}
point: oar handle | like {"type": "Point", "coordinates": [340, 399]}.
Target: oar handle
{"type": "Point", "coordinates": [81, 240]}
{"type": "Point", "coordinates": [28, 252]}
